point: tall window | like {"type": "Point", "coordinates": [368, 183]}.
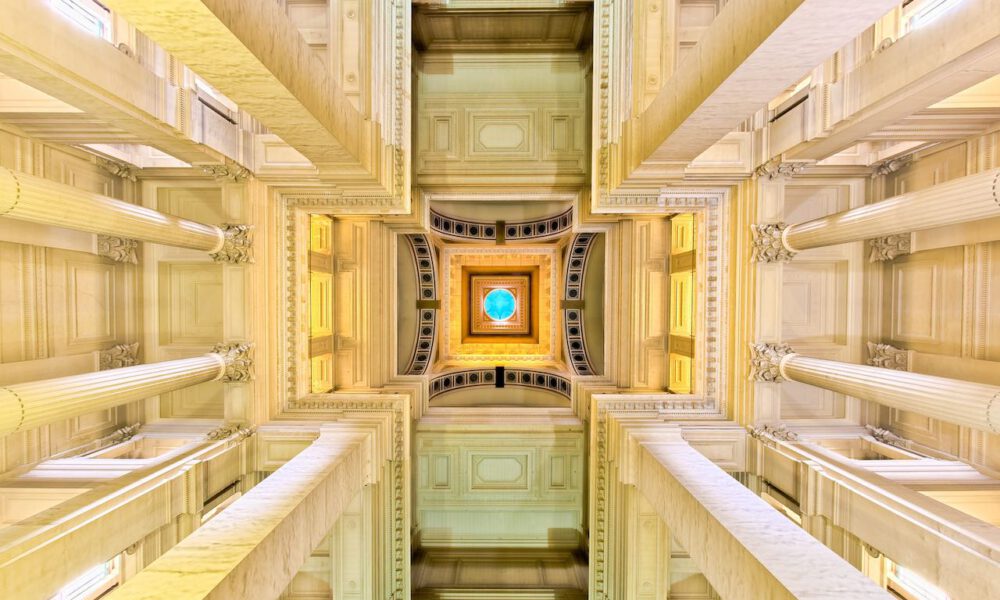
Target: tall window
{"type": "Point", "coordinates": [89, 15]}
{"type": "Point", "coordinates": [919, 13]}
{"type": "Point", "coordinates": [93, 583]}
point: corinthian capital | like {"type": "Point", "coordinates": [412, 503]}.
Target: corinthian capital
{"type": "Point", "coordinates": [239, 363]}
{"type": "Point", "coordinates": [236, 248]}
{"type": "Point", "coordinates": [889, 247]}
{"type": "Point", "coordinates": [768, 246]}
{"type": "Point", "coordinates": [765, 360]}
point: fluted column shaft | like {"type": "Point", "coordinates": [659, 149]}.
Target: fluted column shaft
{"type": "Point", "coordinates": [964, 403]}
{"type": "Point", "coordinates": [28, 405]}
{"type": "Point", "coordinates": [961, 200]}
{"type": "Point", "coordinates": [39, 200]}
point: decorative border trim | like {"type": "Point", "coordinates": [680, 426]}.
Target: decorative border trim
{"type": "Point", "coordinates": [427, 285]}
{"type": "Point", "coordinates": [517, 231]}
{"type": "Point", "coordinates": [528, 378]}
{"type": "Point", "coordinates": [573, 329]}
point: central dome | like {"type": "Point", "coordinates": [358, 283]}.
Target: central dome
{"type": "Point", "coordinates": [499, 304]}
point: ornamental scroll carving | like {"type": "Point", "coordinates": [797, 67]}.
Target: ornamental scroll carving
{"type": "Point", "coordinates": [237, 245]}
{"type": "Point", "coordinates": [239, 363]}
{"type": "Point", "coordinates": [885, 436]}
{"type": "Point", "coordinates": [767, 245]}
{"type": "Point", "coordinates": [773, 432]}
{"type": "Point", "coordinates": [888, 357]}
{"type": "Point", "coordinates": [775, 169]}
{"type": "Point", "coordinates": [765, 360]}
{"type": "Point", "coordinates": [118, 249]}
{"type": "Point", "coordinates": [227, 173]}
{"type": "Point", "coordinates": [889, 247]}
{"type": "Point", "coordinates": [118, 168]}
{"type": "Point", "coordinates": [118, 356]}
{"type": "Point", "coordinates": [229, 430]}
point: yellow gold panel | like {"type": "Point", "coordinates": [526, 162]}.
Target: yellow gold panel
{"type": "Point", "coordinates": [320, 304]}
{"type": "Point", "coordinates": [321, 370]}
{"type": "Point", "coordinates": [682, 303]}
{"type": "Point", "coordinates": [680, 368]}
{"type": "Point", "coordinates": [320, 234]}
{"type": "Point", "coordinates": [681, 234]}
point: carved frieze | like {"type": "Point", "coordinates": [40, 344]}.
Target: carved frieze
{"type": "Point", "coordinates": [118, 249]}
{"type": "Point", "coordinates": [119, 355]}
{"type": "Point", "coordinates": [237, 246]}
{"type": "Point", "coordinates": [765, 360]}
{"type": "Point", "coordinates": [239, 363]}
{"type": "Point", "coordinates": [768, 246]}
{"type": "Point", "coordinates": [888, 357]}
{"type": "Point", "coordinates": [889, 247]}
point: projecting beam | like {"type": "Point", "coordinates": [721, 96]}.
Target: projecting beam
{"type": "Point", "coordinates": [51, 54]}
{"type": "Point", "coordinates": [752, 52]}
{"type": "Point", "coordinates": [252, 52]}
{"type": "Point", "coordinates": [254, 548]}
{"type": "Point", "coordinates": [743, 546]}
{"type": "Point", "coordinates": [956, 51]}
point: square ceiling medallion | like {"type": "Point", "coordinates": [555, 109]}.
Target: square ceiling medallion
{"type": "Point", "coordinates": [499, 305]}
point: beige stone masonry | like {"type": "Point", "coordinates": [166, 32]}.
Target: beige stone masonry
{"type": "Point", "coordinates": [974, 405]}
{"type": "Point", "coordinates": [961, 200]}
{"type": "Point", "coordinates": [744, 547]}
{"type": "Point", "coordinates": [255, 547]}
{"type": "Point", "coordinates": [55, 56]}
{"type": "Point", "coordinates": [752, 52]}
{"type": "Point", "coordinates": [271, 72]}
{"type": "Point", "coordinates": [30, 198]}
{"type": "Point", "coordinates": [28, 405]}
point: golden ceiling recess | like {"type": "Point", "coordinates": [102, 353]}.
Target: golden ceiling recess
{"type": "Point", "coordinates": [530, 336]}
{"type": "Point", "coordinates": [520, 326]}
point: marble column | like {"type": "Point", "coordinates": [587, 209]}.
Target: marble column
{"type": "Point", "coordinates": [255, 547]}
{"type": "Point", "coordinates": [955, 401]}
{"type": "Point", "coordinates": [39, 200]}
{"type": "Point", "coordinates": [743, 546]}
{"type": "Point", "coordinates": [29, 405]}
{"type": "Point", "coordinates": [957, 201]}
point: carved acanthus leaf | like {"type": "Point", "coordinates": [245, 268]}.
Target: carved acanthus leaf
{"type": "Point", "coordinates": [768, 245]}
{"type": "Point", "coordinates": [230, 172]}
{"type": "Point", "coordinates": [891, 165]}
{"type": "Point", "coordinates": [239, 363]}
{"type": "Point", "coordinates": [237, 245]}
{"type": "Point", "coordinates": [888, 357]}
{"type": "Point", "coordinates": [242, 431]}
{"type": "Point", "coordinates": [889, 247]}
{"type": "Point", "coordinates": [118, 168]}
{"type": "Point", "coordinates": [118, 356]}
{"type": "Point", "coordinates": [775, 169]}
{"type": "Point", "coordinates": [118, 249]}
{"type": "Point", "coordinates": [765, 360]}
{"type": "Point", "coordinates": [126, 433]}
{"type": "Point", "coordinates": [771, 432]}
{"type": "Point", "coordinates": [885, 436]}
